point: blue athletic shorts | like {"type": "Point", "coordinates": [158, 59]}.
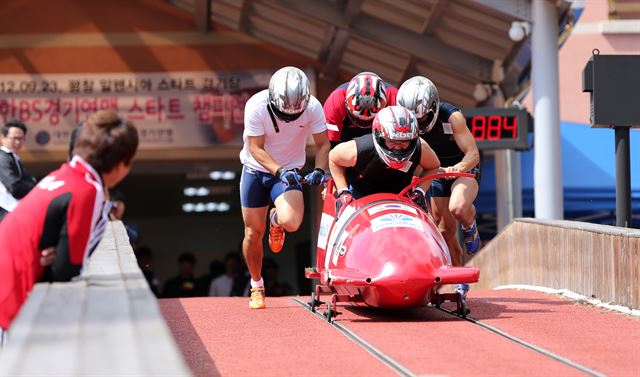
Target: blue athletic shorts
{"type": "Point", "coordinates": [441, 187]}
{"type": "Point", "coordinates": [257, 188]}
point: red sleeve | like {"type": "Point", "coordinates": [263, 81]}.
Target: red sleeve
{"type": "Point", "coordinates": [392, 93]}
{"type": "Point", "coordinates": [79, 219]}
{"type": "Point", "coordinates": [335, 111]}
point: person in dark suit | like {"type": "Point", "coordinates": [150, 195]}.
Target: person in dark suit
{"type": "Point", "coordinates": [16, 182]}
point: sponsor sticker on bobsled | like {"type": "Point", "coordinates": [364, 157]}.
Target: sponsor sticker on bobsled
{"type": "Point", "coordinates": [395, 220]}
{"type": "Point", "coordinates": [391, 206]}
{"type": "Point", "coordinates": [323, 234]}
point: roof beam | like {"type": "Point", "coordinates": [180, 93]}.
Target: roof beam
{"type": "Point", "coordinates": [202, 15]}
{"type": "Point", "coordinates": [337, 46]}
{"type": "Point", "coordinates": [341, 15]}
{"type": "Point", "coordinates": [424, 47]}
{"type": "Point", "coordinates": [351, 10]}
{"type": "Point", "coordinates": [409, 70]}
{"type": "Point", "coordinates": [520, 9]}
{"type": "Point", "coordinates": [245, 12]}
{"type": "Point", "coordinates": [436, 12]}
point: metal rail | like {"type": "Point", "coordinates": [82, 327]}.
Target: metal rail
{"type": "Point", "coordinates": [387, 360]}
{"type": "Point", "coordinates": [404, 371]}
{"type": "Point", "coordinates": [528, 345]}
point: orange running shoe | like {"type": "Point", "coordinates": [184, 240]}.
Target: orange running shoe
{"type": "Point", "coordinates": [257, 298]}
{"type": "Point", "coordinates": [276, 235]}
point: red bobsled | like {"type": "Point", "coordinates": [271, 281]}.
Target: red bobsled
{"type": "Point", "coordinates": [385, 252]}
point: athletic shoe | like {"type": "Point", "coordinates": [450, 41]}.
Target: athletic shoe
{"type": "Point", "coordinates": [257, 298]}
{"type": "Point", "coordinates": [462, 289]}
{"type": "Point", "coordinates": [471, 239]}
{"type": "Point", "coordinates": [276, 235]}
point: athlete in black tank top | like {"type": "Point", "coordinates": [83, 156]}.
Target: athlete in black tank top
{"type": "Point", "coordinates": [384, 161]}
{"type": "Point", "coordinates": [441, 139]}
{"type": "Point", "coordinates": [448, 137]}
{"type": "Point", "coordinates": [370, 175]}
{"type": "Point", "coordinates": [444, 127]}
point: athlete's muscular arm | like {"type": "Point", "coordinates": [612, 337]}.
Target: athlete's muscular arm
{"type": "Point", "coordinates": [466, 143]}
{"type": "Point", "coordinates": [256, 147]}
{"type": "Point", "coordinates": [429, 162]}
{"type": "Point", "coordinates": [322, 149]}
{"type": "Point", "coordinates": [344, 155]}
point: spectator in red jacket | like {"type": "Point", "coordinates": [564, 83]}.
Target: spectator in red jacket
{"type": "Point", "coordinates": [67, 211]}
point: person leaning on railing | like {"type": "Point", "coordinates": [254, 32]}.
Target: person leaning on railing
{"type": "Point", "coordinates": [66, 213]}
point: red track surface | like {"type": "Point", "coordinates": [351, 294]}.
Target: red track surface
{"type": "Point", "coordinates": [221, 336]}
{"type": "Point", "coordinates": [602, 340]}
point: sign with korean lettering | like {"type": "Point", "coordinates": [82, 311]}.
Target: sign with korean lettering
{"type": "Point", "coordinates": [171, 110]}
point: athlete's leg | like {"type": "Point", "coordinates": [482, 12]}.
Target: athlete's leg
{"type": "Point", "coordinates": [255, 220]}
{"type": "Point", "coordinates": [440, 197]}
{"type": "Point", "coordinates": [286, 215]}
{"type": "Point", "coordinates": [290, 210]}
{"type": "Point", "coordinates": [254, 199]}
{"type": "Point", "coordinates": [463, 192]}
{"type": "Point", "coordinates": [448, 227]}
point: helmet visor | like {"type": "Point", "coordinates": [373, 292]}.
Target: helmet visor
{"type": "Point", "coordinates": [284, 116]}
{"type": "Point", "coordinates": [398, 150]}
{"type": "Point", "coordinates": [359, 122]}
{"type": "Point", "coordinates": [426, 122]}
{"type": "Point", "coordinates": [399, 146]}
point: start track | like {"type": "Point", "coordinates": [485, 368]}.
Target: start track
{"type": "Point", "coordinates": [221, 336]}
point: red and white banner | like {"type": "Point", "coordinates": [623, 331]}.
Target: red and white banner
{"type": "Point", "coordinates": [171, 110]}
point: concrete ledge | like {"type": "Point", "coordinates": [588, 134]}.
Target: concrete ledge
{"type": "Point", "coordinates": [105, 322]}
{"type": "Point", "coordinates": [597, 261]}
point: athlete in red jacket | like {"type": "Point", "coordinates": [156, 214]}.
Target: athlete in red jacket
{"type": "Point", "coordinates": [351, 107]}
{"type": "Point", "coordinates": [67, 211]}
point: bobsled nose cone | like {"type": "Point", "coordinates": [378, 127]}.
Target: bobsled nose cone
{"type": "Point", "coordinates": [393, 292]}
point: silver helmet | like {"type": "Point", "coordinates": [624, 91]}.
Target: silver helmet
{"type": "Point", "coordinates": [289, 93]}
{"type": "Point", "coordinates": [398, 125]}
{"type": "Point", "coordinates": [420, 95]}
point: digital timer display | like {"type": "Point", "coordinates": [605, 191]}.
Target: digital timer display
{"type": "Point", "coordinates": [499, 128]}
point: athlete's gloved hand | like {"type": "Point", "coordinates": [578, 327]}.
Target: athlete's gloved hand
{"type": "Point", "coordinates": [289, 177]}
{"type": "Point", "coordinates": [343, 198]}
{"type": "Point", "coordinates": [419, 197]}
{"type": "Point", "coordinates": [316, 177]}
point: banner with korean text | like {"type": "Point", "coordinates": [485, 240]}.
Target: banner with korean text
{"type": "Point", "coordinates": [171, 110]}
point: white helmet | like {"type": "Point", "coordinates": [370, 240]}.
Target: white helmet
{"type": "Point", "coordinates": [395, 123]}
{"type": "Point", "coordinates": [420, 95]}
{"type": "Point", "coordinates": [289, 93]}
{"type": "Point", "coordinates": [366, 95]}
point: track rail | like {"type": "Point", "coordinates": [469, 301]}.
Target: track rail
{"type": "Point", "coordinates": [387, 360]}
{"type": "Point", "coordinates": [404, 371]}
{"type": "Point", "coordinates": [528, 345]}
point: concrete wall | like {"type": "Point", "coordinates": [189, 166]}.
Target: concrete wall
{"type": "Point", "coordinates": [593, 260]}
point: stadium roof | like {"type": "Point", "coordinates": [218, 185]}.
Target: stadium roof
{"type": "Point", "coordinates": [456, 43]}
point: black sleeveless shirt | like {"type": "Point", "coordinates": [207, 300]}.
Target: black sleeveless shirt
{"type": "Point", "coordinates": [371, 175]}
{"type": "Point", "coordinates": [440, 138]}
